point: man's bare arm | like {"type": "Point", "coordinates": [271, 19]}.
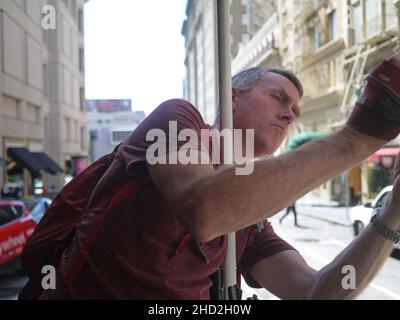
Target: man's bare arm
{"type": "Point", "coordinates": [288, 276]}
{"type": "Point", "coordinates": [212, 202]}
{"type": "Point", "coordinates": [366, 254]}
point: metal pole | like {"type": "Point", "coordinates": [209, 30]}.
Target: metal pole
{"type": "Point", "coordinates": [225, 100]}
{"type": "Point", "coordinates": [347, 196]}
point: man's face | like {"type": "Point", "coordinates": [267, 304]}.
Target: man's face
{"type": "Point", "coordinates": [269, 108]}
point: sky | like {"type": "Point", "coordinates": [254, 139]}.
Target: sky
{"type": "Point", "coordinates": [134, 50]}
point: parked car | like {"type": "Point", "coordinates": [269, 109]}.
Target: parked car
{"type": "Point", "coordinates": [16, 226]}
{"type": "Point", "coordinates": [360, 216]}
{"type": "Point", "coordinates": [37, 207]}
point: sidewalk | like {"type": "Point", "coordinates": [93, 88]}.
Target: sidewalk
{"type": "Point", "coordinates": [315, 207]}
{"type": "Point", "coordinates": [313, 200]}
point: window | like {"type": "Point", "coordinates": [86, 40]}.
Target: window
{"type": "Point", "coordinates": [332, 25]}
{"type": "Point", "coordinates": [80, 20]}
{"type": "Point", "coordinates": [372, 17]}
{"type": "Point", "coordinates": [82, 99]}
{"type": "Point", "coordinates": [390, 13]}
{"type": "Point", "coordinates": [45, 81]}
{"type": "Point", "coordinates": [68, 129]}
{"type": "Point", "coordinates": [382, 199]}
{"type": "Point", "coordinates": [81, 60]}
{"type": "Point", "coordinates": [9, 213]}
{"type": "Point", "coordinates": [315, 38]}
{"type": "Point", "coordinates": [357, 23]}
{"type": "Point", "coordinates": [83, 137]}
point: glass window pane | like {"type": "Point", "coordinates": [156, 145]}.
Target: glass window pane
{"type": "Point", "coordinates": [357, 24]}
{"type": "Point", "coordinates": [371, 16]}
{"type": "Point", "coordinates": [332, 25]}
{"type": "Point", "coordinates": [390, 12]}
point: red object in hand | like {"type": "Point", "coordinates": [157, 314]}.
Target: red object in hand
{"type": "Point", "coordinates": [368, 115]}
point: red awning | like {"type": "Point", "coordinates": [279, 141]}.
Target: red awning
{"type": "Point", "coordinates": [383, 153]}
{"type": "Point", "coordinates": [388, 152]}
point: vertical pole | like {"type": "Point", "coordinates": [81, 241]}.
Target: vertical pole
{"type": "Point", "coordinates": [347, 195]}
{"type": "Point", "coordinates": [225, 99]}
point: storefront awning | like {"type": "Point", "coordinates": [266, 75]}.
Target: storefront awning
{"type": "Point", "coordinates": [35, 162]}
{"type": "Point", "coordinates": [387, 152]}
{"type": "Point", "coordinates": [25, 158]}
{"type": "Point", "coordinates": [384, 152]}
{"type": "Point", "coordinates": [50, 165]}
{"type": "Point", "coordinates": [379, 155]}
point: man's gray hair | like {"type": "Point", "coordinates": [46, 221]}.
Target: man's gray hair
{"type": "Point", "coordinates": [248, 78]}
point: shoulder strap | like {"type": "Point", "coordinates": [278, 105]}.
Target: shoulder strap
{"type": "Point", "coordinates": [122, 195]}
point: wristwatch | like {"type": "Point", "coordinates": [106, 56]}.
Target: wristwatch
{"type": "Point", "coordinates": [382, 228]}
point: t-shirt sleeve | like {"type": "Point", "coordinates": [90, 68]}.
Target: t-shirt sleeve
{"type": "Point", "coordinates": [260, 246]}
{"type": "Point", "coordinates": [161, 132]}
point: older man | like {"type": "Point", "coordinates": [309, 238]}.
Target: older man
{"type": "Point", "coordinates": [169, 238]}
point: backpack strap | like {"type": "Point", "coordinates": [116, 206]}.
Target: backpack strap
{"type": "Point", "coordinates": [122, 195]}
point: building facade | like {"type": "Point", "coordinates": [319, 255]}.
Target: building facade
{"type": "Point", "coordinates": [330, 45]}
{"type": "Point", "coordinates": [42, 85]}
{"type": "Point", "coordinates": [199, 30]}
{"type": "Point", "coordinates": [110, 122]}
{"type": "Point", "coordinates": [333, 45]}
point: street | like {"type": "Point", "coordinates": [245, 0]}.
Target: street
{"type": "Point", "coordinates": [10, 285]}
{"type": "Point", "coordinates": [318, 240]}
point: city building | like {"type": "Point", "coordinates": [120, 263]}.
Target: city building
{"type": "Point", "coordinates": [110, 122]}
{"type": "Point", "coordinates": [42, 92]}
{"type": "Point", "coordinates": [330, 45]}
{"type": "Point", "coordinates": [334, 45]}
{"type": "Point", "coordinates": [199, 30]}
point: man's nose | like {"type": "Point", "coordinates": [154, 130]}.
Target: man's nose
{"type": "Point", "coordinates": [287, 114]}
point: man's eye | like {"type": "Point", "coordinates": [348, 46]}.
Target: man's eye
{"type": "Point", "coordinates": [296, 112]}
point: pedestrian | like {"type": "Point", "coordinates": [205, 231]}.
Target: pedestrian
{"type": "Point", "coordinates": [17, 193]}
{"type": "Point", "coordinates": [288, 209]}
{"type": "Point", "coordinates": [169, 238]}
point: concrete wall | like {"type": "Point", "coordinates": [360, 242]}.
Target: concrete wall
{"type": "Point", "coordinates": [41, 80]}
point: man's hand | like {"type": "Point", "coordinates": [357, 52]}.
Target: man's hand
{"type": "Point", "coordinates": [377, 112]}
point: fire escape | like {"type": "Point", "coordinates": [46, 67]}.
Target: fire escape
{"type": "Point", "coordinates": [355, 80]}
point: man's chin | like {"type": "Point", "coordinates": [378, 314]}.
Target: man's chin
{"type": "Point", "coordinates": [267, 151]}
{"type": "Point", "coordinates": [264, 149]}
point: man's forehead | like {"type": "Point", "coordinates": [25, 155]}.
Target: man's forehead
{"type": "Point", "coordinates": [277, 81]}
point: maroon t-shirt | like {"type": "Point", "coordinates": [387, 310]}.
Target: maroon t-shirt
{"type": "Point", "coordinates": [142, 251]}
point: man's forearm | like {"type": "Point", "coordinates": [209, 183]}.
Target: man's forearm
{"type": "Point", "coordinates": [230, 202]}
{"type": "Point", "coordinates": [366, 254]}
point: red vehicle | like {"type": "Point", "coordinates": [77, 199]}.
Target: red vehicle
{"type": "Point", "coordinates": [16, 226]}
